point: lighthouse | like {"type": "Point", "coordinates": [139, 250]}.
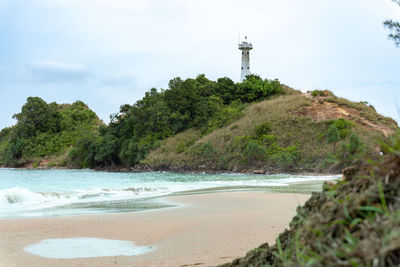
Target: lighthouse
{"type": "Point", "coordinates": [245, 47]}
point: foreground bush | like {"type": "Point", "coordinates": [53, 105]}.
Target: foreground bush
{"type": "Point", "coordinates": [354, 222]}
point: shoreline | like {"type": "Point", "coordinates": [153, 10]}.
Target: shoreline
{"type": "Point", "coordinates": [203, 229]}
{"type": "Point", "coordinates": [133, 170]}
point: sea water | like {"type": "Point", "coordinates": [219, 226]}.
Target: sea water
{"type": "Point", "coordinates": [37, 193]}
{"type": "Point", "coordinates": [85, 247]}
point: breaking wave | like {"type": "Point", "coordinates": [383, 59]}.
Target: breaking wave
{"type": "Point", "coordinates": [18, 195]}
{"type": "Point", "coordinates": [65, 192]}
{"type": "Point", "coordinates": [22, 195]}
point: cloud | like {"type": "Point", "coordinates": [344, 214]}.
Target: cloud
{"type": "Point", "coordinates": [53, 71]}
{"type": "Point", "coordinates": [108, 53]}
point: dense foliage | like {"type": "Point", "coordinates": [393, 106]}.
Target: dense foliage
{"type": "Point", "coordinates": [50, 129]}
{"type": "Point", "coordinates": [199, 103]}
{"type": "Point", "coordinates": [261, 147]}
{"type": "Point", "coordinates": [45, 130]}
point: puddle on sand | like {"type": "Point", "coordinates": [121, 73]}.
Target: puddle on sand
{"type": "Point", "coordinates": [82, 247]}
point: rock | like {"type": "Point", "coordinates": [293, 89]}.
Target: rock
{"type": "Point", "coordinates": [349, 172]}
{"type": "Point", "coordinates": [258, 172]}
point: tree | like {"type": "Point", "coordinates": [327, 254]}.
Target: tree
{"type": "Point", "coordinates": [254, 152]}
{"type": "Point", "coordinates": [226, 90]}
{"type": "Point", "coordinates": [107, 149]}
{"type": "Point", "coordinates": [14, 152]}
{"type": "Point", "coordinates": [204, 86]}
{"type": "Point", "coordinates": [394, 27]}
{"type": "Point", "coordinates": [355, 144]}
{"type": "Point", "coordinates": [200, 102]}
{"type": "Point", "coordinates": [333, 136]}
{"type": "Point", "coordinates": [82, 154]}
{"type": "Point", "coordinates": [350, 149]}
{"type": "Point", "coordinates": [182, 96]}
{"type": "Point", "coordinates": [254, 88]}
{"type": "Point", "coordinates": [34, 117]}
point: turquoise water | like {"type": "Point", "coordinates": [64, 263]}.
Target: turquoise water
{"type": "Point", "coordinates": [35, 193]}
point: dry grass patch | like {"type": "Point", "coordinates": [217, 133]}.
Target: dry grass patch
{"type": "Point", "coordinates": [298, 123]}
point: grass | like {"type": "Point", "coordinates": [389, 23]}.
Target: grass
{"type": "Point", "coordinates": [290, 127]}
{"type": "Point", "coordinates": [170, 152]}
{"type": "Point", "coordinates": [365, 110]}
{"type": "Point", "coordinates": [222, 139]}
{"type": "Point", "coordinates": [354, 222]}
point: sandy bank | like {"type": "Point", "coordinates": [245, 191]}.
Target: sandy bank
{"type": "Point", "coordinates": [206, 230]}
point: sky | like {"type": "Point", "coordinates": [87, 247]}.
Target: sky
{"type": "Point", "coordinates": [110, 52]}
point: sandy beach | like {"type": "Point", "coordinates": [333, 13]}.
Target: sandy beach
{"type": "Point", "coordinates": [203, 230]}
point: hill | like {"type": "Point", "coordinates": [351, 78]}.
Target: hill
{"type": "Point", "coordinates": [258, 125]}
{"type": "Point", "coordinates": [45, 133]}
{"type": "Point", "coordinates": [312, 132]}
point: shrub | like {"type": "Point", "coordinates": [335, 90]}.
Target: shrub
{"type": "Point", "coordinates": [353, 222]}
{"type": "Point", "coordinates": [267, 139]}
{"type": "Point", "coordinates": [262, 129]}
{"type": "Point", "coordinates": [355, 144]}
{"type": "Point", "coordinates": [206, 152]}
{"type": "Point", "coordinates": [333, 136]}
{"type": "Point", "coordinates": [316, 93]}
{"type": "Point", "coordinates": [343, 126]}
{"type": "Point", "coordinates": [183, 145]}
{"type": "Point", "coordinates": [254, 152]}
{"type": "Point", "coordinates": [284, 159]}
{"type": "Point", "coordinates": [254, 88]}
{"type": "Point", "coordinates": [287, 157]}
{"type": "Point", "coordinates": [62, 163]}
{"type": "Point", "coordinates": [320, 93]}
{"type": "Point", "coordinates": [51, 164]}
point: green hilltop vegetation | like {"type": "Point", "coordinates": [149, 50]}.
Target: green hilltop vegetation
{"type": "Point", "coordinates": [201, 125]}
{"type": "Point", "coordinates": [46, 130]}
{"type": "Point", "coordinates": [282, 133]}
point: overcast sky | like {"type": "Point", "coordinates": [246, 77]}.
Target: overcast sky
{"type": "Point", "coordinates": [109, 52]}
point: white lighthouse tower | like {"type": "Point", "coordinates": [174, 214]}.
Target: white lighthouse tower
{"type": "Point", "coordinates": [245, 47]}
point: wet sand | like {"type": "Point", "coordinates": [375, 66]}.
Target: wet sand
{"type": "Point", "coordinates": [204, 230]}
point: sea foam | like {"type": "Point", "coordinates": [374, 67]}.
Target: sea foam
{"type": "Point", "coordinates": [20, 195]}
{"type": "Point", "coordinates": [32, 193]}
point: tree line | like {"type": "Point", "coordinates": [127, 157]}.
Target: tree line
{"type": "Point", "coordinates": [44, 129]}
